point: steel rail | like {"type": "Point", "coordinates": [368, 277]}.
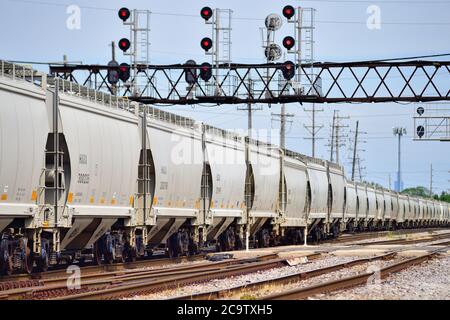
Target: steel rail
{"type": "Point", "coordinates": [351, 281]}
{"type": "Point", "coordinates": [408, 241]}
{"type": "Point", "coordinates": [112, 278]}
{"type": "Point", "coordinates": [21, 279]}
{"type": "Point", "coordinates": [346, 238]}
{"type": "Point", "coordinates": [149, 286]}
{"type": "Point", "coordinates": [217, 294]}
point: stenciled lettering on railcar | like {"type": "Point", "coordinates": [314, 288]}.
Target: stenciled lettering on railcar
{"type": "Point", "coordinates": [82, 159]}
{"type": "Point", "coordinates": [83, 178]}
{"type": "Point", "coordinates": [164, 185]}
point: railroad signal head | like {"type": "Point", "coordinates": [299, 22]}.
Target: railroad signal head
{"type": "Point", "coordinates": [420, 131]}
{"type": "Point", "coordinates": [124, 44]}
{"type": "Point", "coordinates": [288, 70]}
{"type": "Point", "coordinates": [124, 72]}
{"type": "Point", "coordinates": [124, 14]}
{"type": "Point", "coordinates": [206, 13]}
{"type": "Point", "coordinates": [288, 12]}
{"type": "Point", "coordinates": [113, 74]}
{"type": "Point", "coordinates": [190, 74]}
{"type": "Point", "coordinates": [420, 111]}
{"type": "Point", "coordinates": [288, 42]}
{"type": "Point", "coordinates": [206, 44]}
{"type": "Point", "coordinates": [206, 71]}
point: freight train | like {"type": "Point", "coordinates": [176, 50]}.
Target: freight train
{"type": "Point", "coordinates": [85, 175]}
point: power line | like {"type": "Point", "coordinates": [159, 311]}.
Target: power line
{"type": "Point", "coordinates": [409, 23]}
{"type": "Point", "coordinates": [381, 2]}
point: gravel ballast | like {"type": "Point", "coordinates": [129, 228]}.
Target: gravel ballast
{"type": "Point", "coordinates": [427, 281]}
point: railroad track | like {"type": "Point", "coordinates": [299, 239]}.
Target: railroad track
{"type": "Point", "coordinates": [35, 279]}
{"type": "Point", "coordinates": [118, 284]}
{"type": "Point", "coordinates": [428, 238]}
{"type": "Point", "coordinates": [146, 285]}
{"type": "Point", "coordinates": [61, 271]}
{"type": "Point", "coordinates": [303, 275]}
{"type": "Point", "coordinates": [348, 237]}
{"type": "Point", "coordinates": [351, 281]}
{"type": "Point", "coordinates": [218, 294]}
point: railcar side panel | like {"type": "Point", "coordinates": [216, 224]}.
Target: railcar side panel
{"type": "Point", "coordinates": [228, 169]}
{"type": "Point", "coordinates": [337, 181]}
{"type": "Point", "coordinates": [265, 164]}
{"type": "Point", "coordinates": [103, 146]}
{"type": "Point", "coordinates": [178, 165]}
{"type": "Point", "coordinates": [296, 192]}
{"type": "Point", "coordinates": [318, 180]}
{"type": "Point", "coordinates": [23, 134]}
{"type": "Point", "coordinates": [351, 205]}
{"type": "Point", "coordinates": [362, 202]}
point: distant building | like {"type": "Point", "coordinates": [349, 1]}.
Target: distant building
{"type": "Point", "coordinates": [398, 187]}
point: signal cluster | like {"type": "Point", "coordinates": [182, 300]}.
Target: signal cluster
{"type": "Point", "coordinates": [207, 44]}
{"type": "Point", "coordinates": [289, 67]}
{"type": "Point", "coordinates": [123, 71]}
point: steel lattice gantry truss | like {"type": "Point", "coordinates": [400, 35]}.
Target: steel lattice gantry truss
{"type": "Point", "coordinates": [359, 82]}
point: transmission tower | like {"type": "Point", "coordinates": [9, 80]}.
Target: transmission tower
{"type": "Point", "coordinates": [313, 129]}
{"type": "Point", "coordinates": [337, 139]}
{"type": "Point", "coordinates": [356, 150]}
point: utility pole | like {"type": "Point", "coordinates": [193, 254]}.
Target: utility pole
{"type": "Point", "coordinates": [283, 115]}
{"type": "Point", "coordinates": [359, 169]}
{"type": "Point", "coordinates": [313, 129]}
{"type": "Point", "coordinates": [400, 132]}
{"type": "Point", "coordinates": [113, 58]}
{"type": "Point", "coordinates": [431, 180]}
{"type": "Point", "coordinates": [354, 151]}
{"type": "Point", "coordinates": [332, 136]}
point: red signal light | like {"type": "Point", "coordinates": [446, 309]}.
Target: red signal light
{"type": "Point", "coordinates": [124, 72]}
{"type": "Point", "coordinates": [288, 42]}
{"type": "Point", "coordinates": [206, 44]}
{"type": "Point", "coordinates": [288, 70]}
{"type": "Point", "coordinates": [124, 44]}
{"type": "Point", "coordinates": [288, 12]}
{"type": "Point", "coordinates": [124, 14]}
{"type": "Point", "coordinates": [206, 13]}
{"type": "Point", "coordinates": [206, 71]}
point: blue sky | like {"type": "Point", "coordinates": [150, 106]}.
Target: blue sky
{"type": "Point", "coordinates": [35, 30]}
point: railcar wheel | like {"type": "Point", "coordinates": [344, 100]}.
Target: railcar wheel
{"type": "Point", "coordinates": [6, 266]}
{"type": "Point", "coordinates": [108, 257]}
{"type": "Point", "coordinates": [28, 261]}
{"type": "Point", "coordinates": [132, 257]}
{"type": "Point", "coordinates": [97, 254]}
{"type": "Point", "coordinates": [42, 262]}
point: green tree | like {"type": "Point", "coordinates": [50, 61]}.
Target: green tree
{"type": "Point", "coordinates": [444, 196]}
{"type": "Point", "coordinates": [425, 193]}
{"type": "Point", "coordinates": [417, 192]}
